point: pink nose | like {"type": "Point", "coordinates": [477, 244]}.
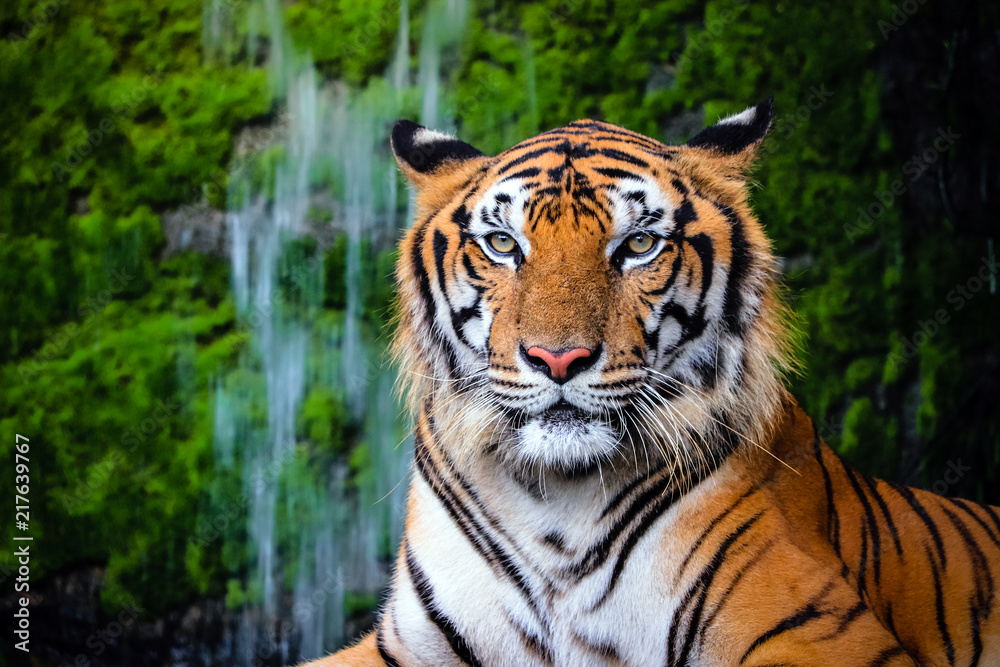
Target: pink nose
{"type": "Point", "coordinates": [558, 363]}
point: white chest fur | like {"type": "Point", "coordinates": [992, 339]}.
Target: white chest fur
{"type": "Point", "coordinates": [498, 575]}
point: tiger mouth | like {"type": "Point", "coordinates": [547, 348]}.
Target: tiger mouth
{"type": "Point", "coordinates": [564, 413]}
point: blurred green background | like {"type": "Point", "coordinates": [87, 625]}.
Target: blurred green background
{"type": "Point", "coordinates": [121, 122]}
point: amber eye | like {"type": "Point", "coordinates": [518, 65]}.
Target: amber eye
{"type": "Point", "coordinates": [639, 244]}
{"type": "Point", "coordinates": [502, 243]}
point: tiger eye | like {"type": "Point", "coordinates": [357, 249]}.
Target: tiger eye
{"type": "Point", "coordinates": [502, 243]}
{"type": "Point", "coordinates": [640, 243]}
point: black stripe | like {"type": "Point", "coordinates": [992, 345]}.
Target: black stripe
{"type": "Point", "coordinates": [873, 527]}
{"type": "Point", "coordinates": [619, 497]}
{"type": "Point", "coordinates": [977, 642]}
{"type": "Point", "coordinates": [423, 280]}
{"type": "Point", "coordinates": [739, 265]}
{"type": "Point", "coordinates": [610, 133]}
{"type": "Point", "coordinates": [524, 157]}
{"type": "Point", "coordinates": [711, 526]}
{"type": "Point", "coordinates": [532, 643]}
{"type": "Point", "coordinates": [383, 652]}
{"type": "Point", "coordinates": [607, 650]}
{"type": "Point", "coordinates": [852, 615]}
{"type": "Point", "coordinates": [607, 128]}
{"type": "Point", "coordinates": [863, 560]}
{"type": "Point", "coordinates": [965, 507]}
{"type": "Point", "coordinates": [570, 150]}
{"type": "Point", "coordinates": [810, 613]}
{"type": "Point", "coordinates": [599, 552]}
{"type": "Point", "coordinates": [674, 272]}
{"type": "Point", "coordinates": [459, 514]}
{"type": "Point", "coordinates": [701, 587]}
{"type": "Point", "coordinates": [981, 569]}
{"type": "Point", "coordinates": [545, 137]}
{"type": "Point", "coordinates": [707, 370]}
{"type": "Point", "coordinates": [993, 516]}
{"type": "Point", "coordinates": [908, 495]}
{"type": "Point", "coordinates": [461, 217]}
{"type": "Point", "coordinates": [885, 656]}
{"type": "Point", "coordinates": [683, 216]}
{"type": "Point", "coordinates": [705, 249]}
{"type": "Point", "coordinates": [750, 564]}
{"type": "Point", "coordinates": [425, 592]}
{"type": "Point", "coordinates": [976, 554]}
{"type": "Point", "coordinates": [981, 564]}
{"type": "Point", "coordinates": [622, 156]}
{"type": "Point", "coordinates": [648, 519]}
{"type": "Point", "coordinates": [833, 527]}
{"type": "Point", "coordinates": [613, 172]}
{"type": "Point", "coordinates": [529, 172]}
{"type": "Point", "coordinates": [470, 270]}
{"type": "Point", "coordinates": [939, 610]}
{"type": "Point", "coordinates": [692, 324]}
{"type": "Point", "coordinates": [440, 246]}
{"type": "Point", "coordinates": [889, 522]}
{"type": "Point", "coordinates": [480, 539]}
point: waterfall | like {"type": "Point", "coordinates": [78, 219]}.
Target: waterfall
{"type": "Point", "coordinates": [320, 525]}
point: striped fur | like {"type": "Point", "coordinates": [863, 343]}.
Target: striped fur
{"type": "Point", "coordinates": [669, 504]}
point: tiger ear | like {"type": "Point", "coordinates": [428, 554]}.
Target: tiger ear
{"type": "Point", "coordinates": [427, 156]}
{"type": "Point", "coordinates": [735, 139]}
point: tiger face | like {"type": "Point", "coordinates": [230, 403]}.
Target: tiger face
{"type": "Point", "coordinates": [589, 294]}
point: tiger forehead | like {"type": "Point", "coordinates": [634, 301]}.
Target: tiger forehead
{"type": "Point", "coordinates": [582, 145]}
{"type": "Point", "coordinates": [578, 176]}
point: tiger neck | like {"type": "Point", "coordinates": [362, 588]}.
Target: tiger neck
{"type": "Point", "coordinates": [584, 517]}
{"type": "Point", "coordinates": [542, 564]}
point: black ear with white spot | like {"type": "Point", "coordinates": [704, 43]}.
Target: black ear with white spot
{"type": "Point", "coordinates": [422, 153]}
{"type": "Point", "coordinates": [737, 134]}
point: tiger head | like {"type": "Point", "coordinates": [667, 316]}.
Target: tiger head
{"type": "Point", "coordinates": [590, 294]}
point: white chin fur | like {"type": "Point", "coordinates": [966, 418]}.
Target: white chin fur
{"type": "Point", "coordinates": [565, 445]}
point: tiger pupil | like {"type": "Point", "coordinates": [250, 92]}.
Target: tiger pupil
{"type": "Point", "coordinates": [640, 243]}
{"type": "Point", "coordinates": [502, 242]}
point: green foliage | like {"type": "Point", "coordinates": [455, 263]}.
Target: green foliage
{"type": "Point", "coordinates": [109, 112]}
{"type": "Point", "coordinates": [324, 419]}
{"type": "Point", "coordinates": [116, 111]}
{"type": "Point", "coordinates": [374, 281]}
{"type": "Point", "coordinates": [145, 434]}
{"type": "Point", "coordinates": [348, 40]}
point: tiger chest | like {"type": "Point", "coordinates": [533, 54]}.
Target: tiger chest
{"type": "Point", "coordinates": [537, 588]}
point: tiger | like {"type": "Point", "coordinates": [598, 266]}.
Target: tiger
{"type": "Point", "coordinates": [608, 466]}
